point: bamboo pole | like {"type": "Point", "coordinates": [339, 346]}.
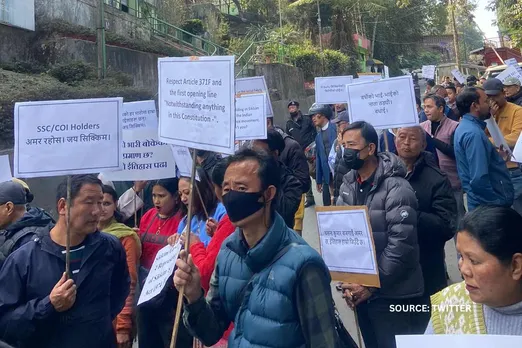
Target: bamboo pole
{"type": "Point", "coordinates": [68, 230]}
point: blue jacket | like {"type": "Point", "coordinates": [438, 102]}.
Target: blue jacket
{"type": "Point", "coordinates": [198, 226]}
{"type": "Point", "coordinates": [27, 317]}
{"type": "Point", "coordinates": [484, 175]}
{"type": "Point", "coordinates": [267, 316]}
{"type": "Point", "coordinates": [321, 163]}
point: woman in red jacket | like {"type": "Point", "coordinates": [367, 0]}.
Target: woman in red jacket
{"type": "Point", "coordinates": [156, 316]}
{"type": "Point", "coordinates": [205, 258]}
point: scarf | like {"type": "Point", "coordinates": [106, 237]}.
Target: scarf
{"type": "Point", "coordinates": [121, 231]}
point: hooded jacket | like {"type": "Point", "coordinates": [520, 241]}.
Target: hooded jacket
{"type": "Point", "coordinates": [27, 316]}
{"type": "Point", "coordinates": [294, 158]}
{"type": "Point", "coordinates": [516, 99]}
{"type": "Point", "coordinates": [436, 219]}
{"type": "Point", "coordinates": [35, 222]}
{"type": "Point", "coordinates": [392, 207]}
{"type": "Point", "coordinates": [302, 130]}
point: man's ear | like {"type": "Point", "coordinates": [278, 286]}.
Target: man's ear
{"type": "Point", "coordinates": [62, 206]}
{"type": "Point", "coordinates": [270, 193]}
{"type": "Point", "coordinates": [372, 148]}
{"type": "Point", "coordinates": [10, 207]}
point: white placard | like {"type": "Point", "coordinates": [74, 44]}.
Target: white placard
{"type": "Point", "coordinates": [5, 169]}
{"type": "Point", "coordinates": [183, 160]}
{"type": "Point", "coordinates": [458, 75]}
{"type": "Point", "coordinates": [331, 90]}
{"type": "Point", "coordinates": [196, 102]}
{"type": "Point", "coordinates": [428, 72]}
{"type": "Point", "coordinates": [511, 62]}
{"type": "Point", "coordinates": [251, 117]}
{"type": "Point", "coordinates": [256, 84]}
{"type": "Point", "coordinates": [510, 71]}
{"type": "Point", "coordinates": [64, 137]}
{"type": "Point", "coordinates": [496, 134]}
{"type": "Point", "coordinates": [460, 341]}
{"type": "Point", "coordinates": [346, 244]}
{"type": "Point", "coordinates": [160, 272]}
{"type": "Point", "coordinates": [388, 103]}
{"type": "Point", "coordinates": [144, 157]}
{"type": "Point", "coordinates": [367, 78]}
{"type": "Point", "coordinates": [386, 72]}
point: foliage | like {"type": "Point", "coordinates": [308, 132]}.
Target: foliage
{"type": "Point", "coordinates": [509, 18]}
{"type": "Point", "coordinates": [223, 34]}
{"type": "Point", "coordinates": [259, 32]}
{"type": "Point", "coordinates": [25, 67]}
{"type": "Point", "coordinates": [73, 72]}
{"type": "Point", "coordinates": [315, 64]}
{"type": "Point", "coordinates": [418, 59]}
{"type": "Point", "coordinates": [193, 26]}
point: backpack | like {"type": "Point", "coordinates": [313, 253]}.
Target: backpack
{"type": "Point", "coordinates": [8, 242]}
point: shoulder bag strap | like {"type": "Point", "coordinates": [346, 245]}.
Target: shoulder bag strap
{"type": "Point", "coordinates": [147, 229]}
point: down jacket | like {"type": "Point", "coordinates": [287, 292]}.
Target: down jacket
{"type": "Point", "coordinates": [436, 219]}
{"type": "Point", "coordinates": [392, 207]}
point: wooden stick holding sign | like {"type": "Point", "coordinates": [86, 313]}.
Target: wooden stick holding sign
{"type": "Point", "coordinates": [347, 231]}
{"type": "Point", "coordinates": [68, 230]}
{"type": "Point", "coordinates": [386, 143]}
{"type": "Point", "coordinates": [179, 306]}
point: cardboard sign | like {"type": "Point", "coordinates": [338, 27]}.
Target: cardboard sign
{"type": "Point", "coordinates": [460, 341]}
{"type": "Point", "coordinates": [331, 90]}
{"type": "Point", "coordinates": [367, 77]}
{"type": "Point", "coordinates": [347, 246]}
{"type": "Point", "coordinates": [458, 75]}
{"type": "Point", "coordinates": [428, 72]}
{"type": "Point", "coordinates": [496, 134]}
{"type": "Point", "coordinates": [196, 102]}
{"type": "Point", "coordinates": [66, 137]}
{"type": "Point", "coordinates": [144, 157]}
{"type": "Point", "coordinates": [160, 272]}
{"type": "Point", "coordinates": [251, 117]}
{"type": "Point", "coordinates": [256, 84]}
{"type": "Point", "coordinates": [388, 103]}
{"type": "Point", "coordinates": [510, 71]}
{"type": "Point", "coordinates": [5, 169]}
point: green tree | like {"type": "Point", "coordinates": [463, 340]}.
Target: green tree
{"type": "Point", "coordinates": [509, 18]}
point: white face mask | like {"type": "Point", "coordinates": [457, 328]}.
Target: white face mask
{"type": "Point", "coordinates": [447, 100]}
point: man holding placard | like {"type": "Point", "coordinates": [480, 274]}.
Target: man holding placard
{"type": "Point", "coordinates": [40, 305]}
{"type": "Point", "coordinates": [378, 181]}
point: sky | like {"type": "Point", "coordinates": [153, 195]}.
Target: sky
{"type": "Point", "coordinates": [483, 18]}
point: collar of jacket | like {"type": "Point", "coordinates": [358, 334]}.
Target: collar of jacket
{"type": "Point", "coordinates": [515, 97]}
{"type": "Point", "coordinates": [258, 257]}
{"type": "Point", "coordinates": [425, 159]}
{"type": "Point", "coordinates": [91, 242]}
{"type": "Point", "coordinates": [475, 120]}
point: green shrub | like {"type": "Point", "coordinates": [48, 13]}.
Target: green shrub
{"type": "Point", "coordinates": [335, 63]}
{"type": "Point", "coordinates": [72, 72]}
{"type": "Point", "coordinates": [314, 64]}
{"type": "Point", "coordinates": [193, 26]}
{"type": "Point", "coordinates": [24, 67]}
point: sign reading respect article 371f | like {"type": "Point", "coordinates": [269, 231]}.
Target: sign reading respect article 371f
{"type": "Point", "coordinates": [65, 137]}
{"type": "Point", "coordinates": [196, 102]}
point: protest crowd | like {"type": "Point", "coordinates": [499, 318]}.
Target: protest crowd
{"type": "Point", "coordinates": [248, 278]}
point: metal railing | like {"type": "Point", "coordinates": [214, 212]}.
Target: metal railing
{"type": "Point", "coordinates": [263, 51]}
{"type": "Point", "coordinates": [184, 38]}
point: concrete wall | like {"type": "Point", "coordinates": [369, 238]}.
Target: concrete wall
{"type": "Point", "coordinates": [143, 67]}
{"type": "Point", "coordinates": [14, 43]}
{"type": "Point", "coordinates": [85, 13]}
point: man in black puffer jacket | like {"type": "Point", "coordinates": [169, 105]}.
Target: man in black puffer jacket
{"type": "Point", "coordinates": [19, 225]}
{"type": "Point", "coordinates": [436, 213]}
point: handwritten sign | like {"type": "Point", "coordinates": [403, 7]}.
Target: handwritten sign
{"type": "Point", "coordinates": [183, 160]}
{"type": "Point", "coordinates": [66, 137]}
{"type": "Point", "coordinates": [257, 84]}
{"type": "Point", "coordinates": [160, 272]}
{"type": "Point", "coordinates": [331, 90]}
{"type": "Point", "coordinates": [510, 71]}
{"type": "Point", "coordinates": [196, 102]}
{"type": "Point", "coordinates": [461, 341]}
{"type": "Point", "coordinates": [388, 103]}
{"type": "Point", "coordinates": [144, 157]}
{"type": "Point", "coordinates": [458, 75]}
{"type": "Point", "coordinates": [251, 117]}
{"type": "Point", "coordinates": [346, 244]}
{"type": "Point", "coordinates": [428, 72]}
{"type": "Point", "coordinates": [5, 169]}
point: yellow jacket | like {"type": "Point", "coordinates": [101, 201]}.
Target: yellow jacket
{"type": "Point", "coordinates": [509, 120]}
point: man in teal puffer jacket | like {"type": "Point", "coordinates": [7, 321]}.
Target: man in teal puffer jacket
{"type": "Point", "coordinates": [267, 280]}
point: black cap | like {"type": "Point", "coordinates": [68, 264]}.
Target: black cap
{"type": "Point", "coordinates": [293, 103]}
{"type": "Point", "coordinates": [493, 86]}
{"type": "Point", "coordinates": [12, 192]}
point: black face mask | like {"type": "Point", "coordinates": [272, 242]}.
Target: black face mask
{"type": "Point", "coordinates": [240, 205]}
{"type": "Point", "coordinates": [352, 160]}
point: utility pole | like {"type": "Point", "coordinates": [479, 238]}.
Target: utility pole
{"type": "Point", "coordinates": [453, 5]}
{"type": "Point", "coordinates": [100, 41]}
{"type": "Point", "coordinates": [374, 34]}
{"type": "Point", "coordinates": [319, 25]}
